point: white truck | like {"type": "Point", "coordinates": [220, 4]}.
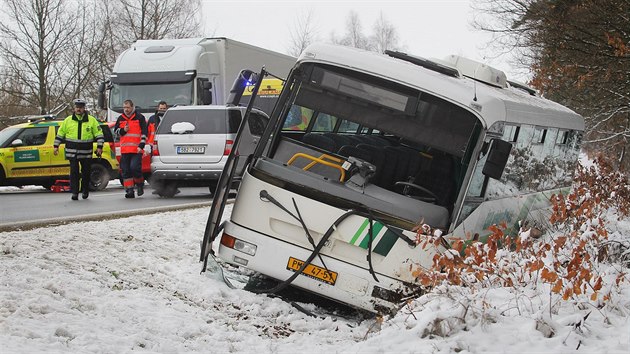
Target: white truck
{"type": "Point", "coordinates": [191, 71]}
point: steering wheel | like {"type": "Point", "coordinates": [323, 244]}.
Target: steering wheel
{"type": "Point", "coordinates": [429, 196]}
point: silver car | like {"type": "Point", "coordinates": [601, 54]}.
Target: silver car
{"type": "Point", "coordinates": [192, 144]}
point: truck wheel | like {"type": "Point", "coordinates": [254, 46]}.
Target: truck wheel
{"type": "Point", "coordinates": [99, 178]}
{"type": "Point", "coordinates": [48, 184]}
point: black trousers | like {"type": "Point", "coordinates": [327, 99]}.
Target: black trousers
{"type": "Point", "coordinates": [131, 166]}
{"type": "Point", "coordinates": [80, 178]}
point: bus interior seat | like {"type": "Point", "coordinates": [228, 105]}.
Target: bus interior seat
{"type": "Point", "coordinates": [439, 179]}
{"type": "Point", "coordinates": [389, 168]}
{"type": "Point", "coordinates": [377, 140]}
{"type": "Point", "coordinates": [320, 141]}
{"type": "Point", "coordinates": [340, 140]}
{"type": "Point", "coordinates": [378, 160]}
{"type": "Point", "coordinates": [355, 139]}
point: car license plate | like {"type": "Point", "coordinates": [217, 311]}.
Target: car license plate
{"type": "Point", "coordinates": [191, 149]}
{"type": "Point", "coordinates": [313, 271]}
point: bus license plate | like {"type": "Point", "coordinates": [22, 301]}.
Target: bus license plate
{"type": "Point", "coordinates": [187, 149]}
{"type": "Point", "coordinates": [313, 271]}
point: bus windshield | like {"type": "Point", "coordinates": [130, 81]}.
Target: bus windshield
{"type": "Point", "coordinates": [147, 96]}
{"type": "Point", "coordinates": [406, 113]}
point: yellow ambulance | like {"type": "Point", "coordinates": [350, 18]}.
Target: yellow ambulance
{"type": "Point", "coordinates": [26, 156]}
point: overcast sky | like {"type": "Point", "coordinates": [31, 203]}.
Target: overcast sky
{"type": "Point", "coordinates": [427, 28]}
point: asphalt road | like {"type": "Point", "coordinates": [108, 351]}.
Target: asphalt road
{"type": "Point", "coordinates": [33, 207]}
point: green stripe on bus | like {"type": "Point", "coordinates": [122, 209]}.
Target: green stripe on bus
{"type": "Point", "coordinates": [386, 243]}
{"type": "Point", "coordinates": [360, 231]}
{"type": "Point", "coordinates": [375, 230]}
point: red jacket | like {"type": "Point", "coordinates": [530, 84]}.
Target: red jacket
{"type": "Point", "coordinates": [135, 137]}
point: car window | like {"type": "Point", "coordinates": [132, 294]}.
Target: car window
{"type": "Point", "coordinates": [6, 136]}
{"type": "Point", "coordinates": [33, 136]}
{"type": "Point", "coordinates": [205, 121]}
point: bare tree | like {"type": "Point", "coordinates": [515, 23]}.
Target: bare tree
{"type": "Point", "coordinates": [303, 34]}
{"type": "Point", "coordinates": [33, 40]}
{"type": "Point", "coordinates": [579, 53]}
{"type": "Point", "coordinates": [354, 36]}
{"type": "Point", "coordinates": [385, 35]}
{"type": "Point", "coordinates": [10, 99]}
{"type": "Point", "coordinates": [155, 19]}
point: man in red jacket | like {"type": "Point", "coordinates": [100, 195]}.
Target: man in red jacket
{"type": "Point", "coordinates": [131, 126]}
{"type": "Point", "coordinates": [154, 121]}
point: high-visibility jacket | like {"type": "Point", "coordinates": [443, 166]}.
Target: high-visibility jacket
{"type": "Point", "coordinates": [152, 125]}
{"type": "Point", "coordinates": [79, 133]}
{"type": "Point", "coordinates": [133, 138]}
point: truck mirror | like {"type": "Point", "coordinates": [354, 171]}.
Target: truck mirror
{"type": "Point", "coordinates": [206, 97]}
{"type": "Point", "coordinates": [101, 95]}
{"type": "Point", "coordinates": [206, 94]}
{"type": "Point", "coordinates": [244, 78]}
{"type": "Point", "coordinates": [497, 158]}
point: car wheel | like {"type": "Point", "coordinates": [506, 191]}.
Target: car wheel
{"type": "Point", "coordinates": [167, 189]}
{"type": "Point", "coordinates": [99, 178]}
{"type": "Point", "coordinates": [213, 187]}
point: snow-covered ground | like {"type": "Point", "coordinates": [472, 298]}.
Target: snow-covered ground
{"type": "Point", "coordinates": [134, 284]}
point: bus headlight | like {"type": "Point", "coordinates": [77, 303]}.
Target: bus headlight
{"type": "Point", "coordinates": [245, 247]}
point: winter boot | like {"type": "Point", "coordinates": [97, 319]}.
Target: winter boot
{"type": "Point", "coordinates": [129, 193]}
{"type": "Point", "coordinates": [140, 187]}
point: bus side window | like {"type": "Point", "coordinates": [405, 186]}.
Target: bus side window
{"type": "Point", "coordinates": [298, 118]}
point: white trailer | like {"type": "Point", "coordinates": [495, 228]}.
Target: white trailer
{"type": "Point", "coordinates": [191, 71]}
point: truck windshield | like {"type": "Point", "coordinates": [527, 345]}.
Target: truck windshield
{"type": "Point", "coordinates": [147, 96]}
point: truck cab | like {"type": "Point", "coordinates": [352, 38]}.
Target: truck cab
{"type": "Point", "coordinates": [182, 72]}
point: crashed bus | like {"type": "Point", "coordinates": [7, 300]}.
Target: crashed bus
{"type": "Point", "coordinates": [363, 147]}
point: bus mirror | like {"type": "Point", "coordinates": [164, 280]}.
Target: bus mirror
{"type": "Point", "coordinates": [497, 158]}
{"type": "Point", "coordinates": [244, 79]}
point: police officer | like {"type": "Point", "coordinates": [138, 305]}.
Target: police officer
{"type": "Point", "coordinates": [79, 131]}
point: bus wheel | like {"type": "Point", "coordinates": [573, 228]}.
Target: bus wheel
{"type": "Point", "coordinates": [99, 178]}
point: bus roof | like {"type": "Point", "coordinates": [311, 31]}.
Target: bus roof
{"type": "Point", "coordinates": [489, 102]}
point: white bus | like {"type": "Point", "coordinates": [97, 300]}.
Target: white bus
{"type": "Point", "coordinates": [363, 147]}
